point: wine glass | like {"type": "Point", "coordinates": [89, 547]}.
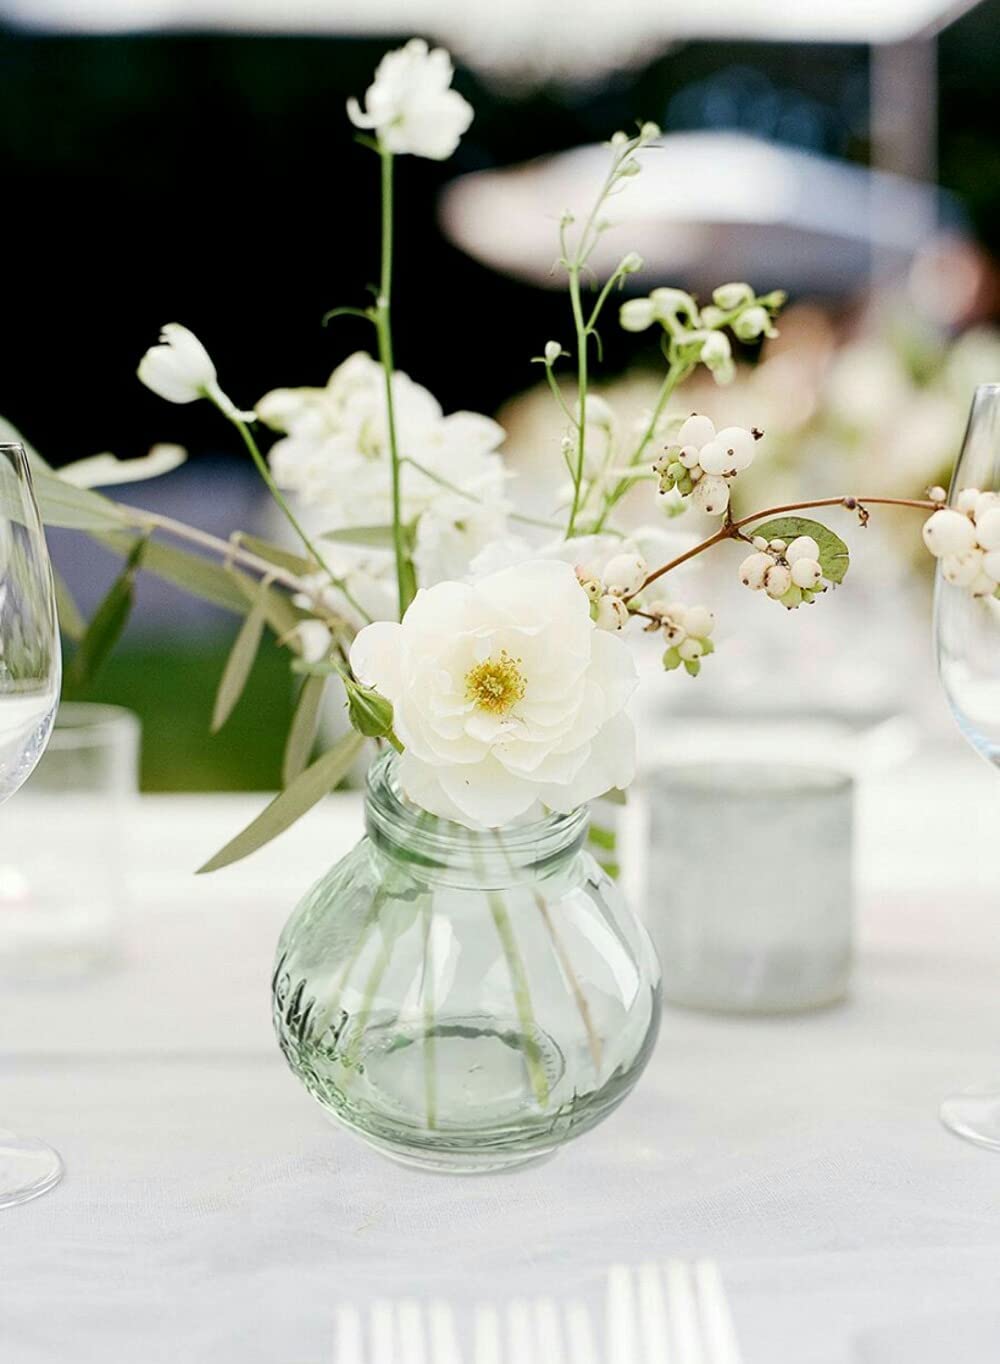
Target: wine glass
{"type": "Point", "coordinates": [968, 647]}
{"type": "Point", "coordinates": [30, 674]}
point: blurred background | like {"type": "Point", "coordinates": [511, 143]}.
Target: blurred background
{"type": "Point", "coordinates": [190, 160]}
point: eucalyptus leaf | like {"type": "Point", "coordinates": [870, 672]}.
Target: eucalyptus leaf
{"type": "Point", "coordinates": [107, 625]}
{"type": "Point", "coordinates": [302, 732]}
{"type": "Point", "coordinates": [276, 554]}
{"type": "Point", "coordinates": [834, 556]}
{"type": "Point", "coordinates": [369, 537]}
{"type": "Point", "coordinates": [291, 804]}
{"type": "Point", "coordinates": [63, 504]}
{"type": "Point", "coordinates": [71, 622]}
{"type": "Point", "coordinates": [199, 576]}
{"type": "Point", "coordinates": [240, 662]}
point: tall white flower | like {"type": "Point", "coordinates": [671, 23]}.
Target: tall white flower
{"type": "Point", "coordinates": [410, 105]}
{"type": "Point", "coordinates": [179, 369]}
{"type": "Point", "coordinates": [505, 695]}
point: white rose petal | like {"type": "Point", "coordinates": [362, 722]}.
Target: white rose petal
{"type": "Point", "coordinates": [504, 694]}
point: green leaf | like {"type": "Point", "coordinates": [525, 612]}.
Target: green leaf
{"type": "Point", "coordinates": [62, 504]}
{"type": "Point", "coordinates": [276, 554]}
{"type": "Point", "coordinates": [240, 661]}
{"type": "Point", "coordinates": [834, 556]}
{"type": "Point", "coordinates": [199, 576]}
{"type": "Point", "coordinates": [71, 623]}
{"type": "Point", "coordinates": [110, 619]}
{"type": "Point", "coordinates": [279, 612]}
{"type": "Point", "coordinates": [370, 537]}
{"type": "Point", "coordinates": [291, 804]}
{"type": "Point", "coordinates": [302, 732]}
{"type": "Point", "coordinates": [603, 838]}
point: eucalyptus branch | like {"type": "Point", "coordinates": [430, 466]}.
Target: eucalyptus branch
{"type": "Point", "coordinates": [732, 530]}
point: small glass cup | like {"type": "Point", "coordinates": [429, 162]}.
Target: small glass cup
{"type": "Point", "coordinates": [749, 884]}
{"type": "Point", "coordinates": [62, 877]}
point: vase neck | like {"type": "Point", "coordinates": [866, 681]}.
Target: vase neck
{"type": "Point", "coordinates": [446, 851]}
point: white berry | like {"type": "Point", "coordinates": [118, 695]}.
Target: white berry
{"type": "Point", "coordinates": [759, 542]}
{"type": "Point", "coordinates": [962, 570]}
{"type": "Point", "coordinates": [805, 547]}
{"type": "Point", "coordinates": [777, 580]}
{"type": "Point", "coordinates": [984, 586]}
{"type": "Point", "coordinates": [689, 456]}
{"type": "Point", "coordinates": [697, 430]}
{"type": "Point", "coordinates": [612, 614]}
{"type": "Point", "coordinates": [625, 574]}
{"type": "Point", "coordinates": [691, 649]}
{"type": "Point", "coordinates": [711, 496]}
{"type": "Point", "coordinates": [714, 458]}
{"type": "Point", "coordinates": [753, 570]}
{"type": "Point", "coordinates": [740, 447]}
{"type": "Point", "coordinates": [698, 621]}
{"type": "Point", "coordinates": [991, 565]}
{"type": "Point", "coordinates": [986, 502]}
{"type": "Point", "coordinates": [949, 532]}
{"type": "Point", "coordinates": [967, 500]}
{"type": "Point", "coordinates": [806, 573]}
{"type": "Point", "coordinates": [988, 529]}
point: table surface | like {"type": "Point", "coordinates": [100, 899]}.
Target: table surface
{"type": "Point", "coordinates": [211, 1215]}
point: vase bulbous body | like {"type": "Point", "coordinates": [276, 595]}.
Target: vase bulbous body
{"type": "Point", "coordinates": [465, 1001]}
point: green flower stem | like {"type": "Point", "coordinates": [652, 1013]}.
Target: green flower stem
{"type": "Point", "coordinates": [675, 375]}
{"type": "Point", "coordinates": [430, 1041]}
{"type": "Point", "coordinates": [383, 328]}
{"type": "Point", "coordinates": [522, 996]}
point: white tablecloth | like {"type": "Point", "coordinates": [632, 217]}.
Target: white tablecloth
{"type": "Point", "coordinates": [210, 1215]}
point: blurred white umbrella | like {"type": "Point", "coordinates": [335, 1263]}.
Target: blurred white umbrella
{"type": "Point", "coordinates": [708, 206]}
{"type": "Point", "coordinates": [576, 36]}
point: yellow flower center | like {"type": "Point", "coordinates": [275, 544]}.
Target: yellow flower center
{"type": "Point", "coordinates": [496, 684]}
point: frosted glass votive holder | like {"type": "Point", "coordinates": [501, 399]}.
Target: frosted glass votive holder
{"type": "Point", "coordinates": [749, 884]}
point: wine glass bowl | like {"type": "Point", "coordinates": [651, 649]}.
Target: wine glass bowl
{"type": "Point", "coordinates": [30, 676]}
{"type": "Point", "coordinates": [967, 633]}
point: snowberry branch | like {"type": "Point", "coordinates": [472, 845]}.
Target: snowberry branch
{"type": "Point", "coordinates": [733, 528]}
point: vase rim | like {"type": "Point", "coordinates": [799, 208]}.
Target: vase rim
{"type": "Point", "coordinates": [391, 817]}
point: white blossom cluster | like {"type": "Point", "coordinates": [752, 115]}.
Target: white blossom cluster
{"type": "Point", "coordinates": [703, 462]}
{"type": "Point", "coordinates": [790, 573]}
{"type": "Point", "coordinates": [966, 538]}
{"type": "Point", "coordinates": [334, 456]}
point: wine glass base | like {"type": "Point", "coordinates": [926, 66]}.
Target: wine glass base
{"type": "Point", "coordinates": [975, 1115]}
{"type": "Point", "coordinates": [28, 1168]}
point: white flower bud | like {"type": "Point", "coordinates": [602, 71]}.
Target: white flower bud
{"type": "Point", "coordinates": [740, 446]}
{"type": "Point", "coordinates": [711, 496]}
{"type": "Point", "coordinates": [674, 303]}
{"type": "Point", "coordinates": [629, 167]}
{"type": "Point", "coordinates": [649, 130]}
{"type": "Point", "coordinates": [637, 314]}
{"type": "Point", "coordinates": [632, 262]}
{"type": "Point", "coordinates": [619, 138]}
{"type": "Point", "coordinates": [777, 580]}
{"type": "Point", "coordinates": [805, 547]}
{"type": "Point", "coordinates": [806, 573]}
{"type": "Point", "coordinates": [938, 494]}
{"type": "Point", "coordinates": [696, 431]}
{"type": "Point", "coordinates": [625, 574]}
{"type": "Point", "coordinates": [698, 621]}
{"type": "Point", "coordinates": [730, 296]}
{"type": "Point", "coordinates": [752, 323]}
{"type": "Point", "coordinates": [967, 500]}
{"type": "Point", "coordinates": [988, 529]}
{"type": "Point", "coordinates": [753, 570]}
{"type": "Point", "coordinates": [949, 532]}
{"type": "Point", "coordinates": [717, 356]}
{"type": "Point", "coordinates": [711, 316]}
{"type": "Point", "coordinates": [553, 350]}
{"type": "Point", "coordinates": [611, 614]}
{"type": "Point", "coordinates": [179, 368]}
{"type": "Point", "coordinates": [691, 649]}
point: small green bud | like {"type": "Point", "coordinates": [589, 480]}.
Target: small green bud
{"type": "Point", "coordinates": [369, 712]}
{"type": "Point", "coordinates": [776, 299]}
{"type": "Point", "coordinates": [632, 262]}
{"type": "Point", "coordinates": [711, 316]}
{"type": "Point", "coordinates": [707, 646]}
{"type": "Point", "coordinates": [629, 167]}
{"type": "Point", "coordinates": [553, 350]}
{"type": "Point", "coordinates": [692, 666]}
{"type": "Point", "coordinates": [792, 598]}
{"type": "Point", "coordinates": [676, 470]}
{"type": "Point", "coordinates": [672, 660]}
{"type": "Point", "coordinates": [619, 138]}
{"type": "Point", "coordinates": [730, 296]}
{"type": "Point", "coordinates": [649, 130]}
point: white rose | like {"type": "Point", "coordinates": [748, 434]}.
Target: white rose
{"type": "Point", "coordinates": [505, 695]}
{"type": "Point", "coordinates": [179, 368]}
{"type": "Point", "coordinates": [410, 104]}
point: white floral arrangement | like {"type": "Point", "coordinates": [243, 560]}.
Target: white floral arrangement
{"type": "Point", "coordinates": [488, 646]}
